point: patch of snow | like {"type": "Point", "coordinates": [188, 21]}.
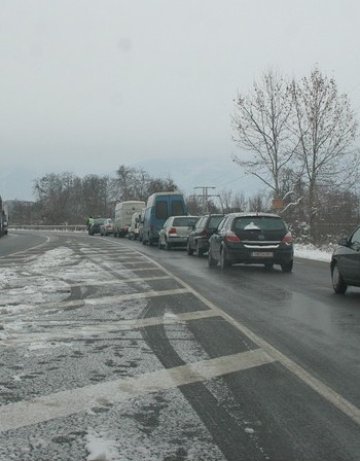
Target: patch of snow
{"type": "Point", "coordinates": [100, 448]}
{"type": "Point", "coordinates": [309, 251]}
{"type": "Point", "coordinates": [249, 430]}
{"type": "Point", "coordinates": [251, 226]}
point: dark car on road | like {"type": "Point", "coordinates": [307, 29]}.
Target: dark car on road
{"type": "Point", "coordinates": [94, 226]}
{"type": "Point", "coordinates": [252, 238]}
{"type": "Point", "coordinates": [198, 240]}
{"type": "Point", "coordinates": [345, 263]}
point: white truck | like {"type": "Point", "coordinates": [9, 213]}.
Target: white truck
{"type": "Point", "coordinates": [123, 214]}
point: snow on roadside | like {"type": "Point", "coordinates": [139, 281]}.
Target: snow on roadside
{"type": "Point", "coordinates": [309, 251]}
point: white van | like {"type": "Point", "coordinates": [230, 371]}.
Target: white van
{"type": "Point", "coordinates": [123, 215]}
{"type": "Point", "coordinates": [133, 233]}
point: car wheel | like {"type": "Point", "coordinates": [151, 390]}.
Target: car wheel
{"type": "Point", "coordinates": [224, 261]}
{"type": "Point", "coordinates": [189, 250]}
{"type": "Point", "coordinates": [211, 261]}
{"type": "Point", "coordinates": [337, 281]}
{"type": "Point", "coordinates": [287, 267]}
{"type": "Point", "coordinates": [268, 266]}
{"type": "Point", "coordinates": [199, 251]}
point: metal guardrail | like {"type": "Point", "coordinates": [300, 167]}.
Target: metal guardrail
{"type": "Point", "coordinates": [57, 227]}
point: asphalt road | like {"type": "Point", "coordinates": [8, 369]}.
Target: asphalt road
{"type": "Point", "coordinates": [111, 350]}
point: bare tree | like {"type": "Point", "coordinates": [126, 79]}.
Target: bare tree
{"type": "Point", "coordinates": [261, 122]}
{"type": "Point", "coordinates": [225, 197]}
{"type": "Point", "coordinates": [239, 202]}
{"type": "Point", "coordinates": [326, 127]}
{"type": "Point", "coordinates": [258, 202]}
{"type": "Point", "coordinates": [193, 205]}
{"type": "Point", "coordinates": [136, 184]}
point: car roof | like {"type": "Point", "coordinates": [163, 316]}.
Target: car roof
{"type": "Point", "coordinates": [184, 216]}
{"type": "Point", "coordinates": [254, 214]}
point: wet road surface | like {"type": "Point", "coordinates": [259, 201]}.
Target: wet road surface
{"type": "Point", "coordinates": [115, 351]}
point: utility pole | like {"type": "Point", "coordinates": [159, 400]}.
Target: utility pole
{"type": "Point", "coordinates": [204, 196]}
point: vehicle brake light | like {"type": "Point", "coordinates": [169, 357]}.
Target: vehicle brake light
{"type": "Point", "coordinates": [172, 230]}
{"type": "Point", "coordinates": [231, 237]}
{"type": "Point", "coordinates": [288, 240]}
{"type": "Point", "coordinates": [204, 233]}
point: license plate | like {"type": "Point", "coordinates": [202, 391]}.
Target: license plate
{"type": "Point", "coordinates": [262, 254]}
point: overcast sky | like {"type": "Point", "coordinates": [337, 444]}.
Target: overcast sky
{"type": "Point", "coordinates": [86, 85]}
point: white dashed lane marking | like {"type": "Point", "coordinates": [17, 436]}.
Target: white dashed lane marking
{"type": "Point", "coordinates": [65, 330]}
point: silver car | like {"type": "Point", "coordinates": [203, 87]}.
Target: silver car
{"type": "Point", "coordinates": [175, 231]}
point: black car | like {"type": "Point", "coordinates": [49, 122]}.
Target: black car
{"type": "Point", "coordinates": [345, 263]}
{"type": "Point", "coordinates": [94, 226]}
{"type": "Point", "coordinates": [198, 240]}
{"type": "Point", "coordinates": [252, 238]}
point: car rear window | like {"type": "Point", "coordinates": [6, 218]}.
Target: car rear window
{"type": "Point", "coordinates": [184, 222]}
{"type": "Point", "coordinates": [161, 209]}
{"type": "Point", "coordinates": [177, 208]}
{"type": "Point", "coordinates": [259, 223]}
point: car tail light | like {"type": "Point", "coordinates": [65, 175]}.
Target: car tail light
{"type": "Point", "coordinates": [288, 240]}
{"type": "Point", "coordinates": [204, 233]}
{"type": "Point", "coordinates": [231, 237]}
{"type": "Point", "coordinates": [172, 230]}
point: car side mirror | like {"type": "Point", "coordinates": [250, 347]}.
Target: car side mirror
{"type": "Point", "coordinates": [344, 242]}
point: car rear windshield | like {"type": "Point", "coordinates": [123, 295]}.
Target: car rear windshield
{"type": "Point", "coordinates": [177, 208]}
{"type": "Point", "coordinates": [161, 209]}
{"type": "Point", "coordinates": [259, 223]}
{"type": "Point", "coordinates": [184, 222]}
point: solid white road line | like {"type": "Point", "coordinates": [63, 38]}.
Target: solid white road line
{"type": "Point", "coordinates": [66, 403]}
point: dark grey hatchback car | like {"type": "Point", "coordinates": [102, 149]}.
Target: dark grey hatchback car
{"type": "Point", "coordinates": [252, 238]}
{"type": "Point", "coordinates": [345, 263]}
{"type": "Point", "coordinates": [198, 240]}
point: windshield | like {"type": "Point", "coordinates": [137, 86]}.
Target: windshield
{"type": "Point", "coordinates": [185, 222]}
{"type": "Point", "coordinates": [259, 223]}
{"type": "Point", "coordinates": [214, 221]}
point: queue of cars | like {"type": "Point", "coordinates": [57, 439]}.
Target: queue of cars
{"type": "Point", "coordinates": [246, 238]}
{"type": "Point", "coordinates": [249, 238]}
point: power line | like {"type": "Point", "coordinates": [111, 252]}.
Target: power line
{"type": "Point", "coordinates": [204, 195]}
